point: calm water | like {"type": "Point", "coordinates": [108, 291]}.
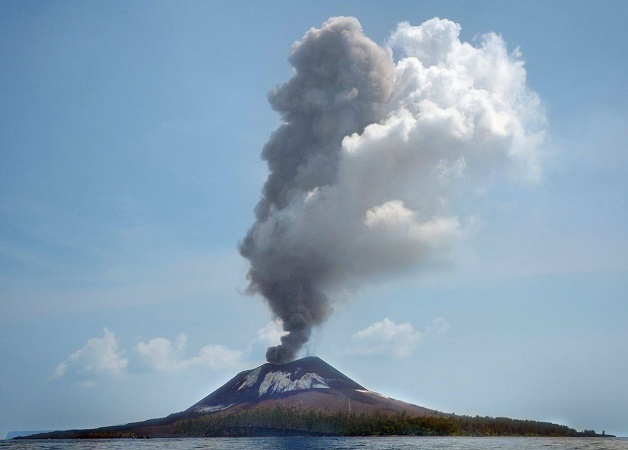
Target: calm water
{"type": "Point", "coordinates": [304, 443]}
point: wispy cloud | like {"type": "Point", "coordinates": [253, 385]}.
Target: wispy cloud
{"type": "Point", "coordinates": [400, 340]}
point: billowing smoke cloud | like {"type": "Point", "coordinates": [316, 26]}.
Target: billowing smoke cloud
{"type": "Point", "coordinates": [377, 146]}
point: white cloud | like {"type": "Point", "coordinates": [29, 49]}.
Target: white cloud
{"type": "Point", "coordinates": [271, 333]}
{"type": "Point", "coordinates": [99, 356]}
{"type": "Point", "coordinates": [161, 355]}
{"type": "Point", "coordinates": [61, 370]}
{"type": "Point", "coordinates": [400, 340]}
{"type": "Point", "coordinates": [267, 336]}
{"type": "Point", "coordinates": [438, 328]}
{"type": "Point", "coordinates": [215, 357]}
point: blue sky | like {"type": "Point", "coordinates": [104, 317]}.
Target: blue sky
{"type": "Point", "coordinates": [130, 167]}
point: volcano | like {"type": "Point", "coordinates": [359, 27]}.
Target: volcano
{"type": "Point", "coordinates": [307, 384]}
{"type": "Point", "coordinates": [309, 397]}
{"type": "Point", "coordinates": [305, 387]}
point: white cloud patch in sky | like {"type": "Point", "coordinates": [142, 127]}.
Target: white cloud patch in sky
{"type": "Point", "coordinates": [101, 356]}
{"type": "Point", "coordinates": [215, 356]}
{"type": "Point", "coordinates": [160, 354]}
{"type": "Point", "coordinates": [271, 333]}
{"type": "Point", "coordinates": [400, 340]}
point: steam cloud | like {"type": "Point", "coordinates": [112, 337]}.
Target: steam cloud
{"type": "Point", "coordinates": [376, 149]}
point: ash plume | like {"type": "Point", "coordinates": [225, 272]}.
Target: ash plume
{"type": "Point", "coordinates": [378, 147]}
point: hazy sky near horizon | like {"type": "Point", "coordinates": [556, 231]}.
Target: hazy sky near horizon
{"type": "Point", "coordinates": [130, 166]}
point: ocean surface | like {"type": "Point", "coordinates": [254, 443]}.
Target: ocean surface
{"type": "Point", "coordinates": [319, 443]}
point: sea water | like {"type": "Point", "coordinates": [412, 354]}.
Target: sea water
{"type": "Point", "coordinates": [324, 443]}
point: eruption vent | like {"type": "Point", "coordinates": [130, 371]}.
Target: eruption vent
{"type": "Point", "coordinates": [373, 158]}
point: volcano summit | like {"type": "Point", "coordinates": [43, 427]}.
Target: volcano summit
{"type": "Point", "coordinates": [307, 384]}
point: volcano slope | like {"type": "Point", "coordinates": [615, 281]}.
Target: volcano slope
{"type": "Point", "coordinates": [307, 397]}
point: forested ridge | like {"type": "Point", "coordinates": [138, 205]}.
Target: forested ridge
{"type": "Point", "coordinates": [290, 421]}
{"type": "Point", "coordinates": [281, 420]}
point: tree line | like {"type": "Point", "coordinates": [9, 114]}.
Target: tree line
{"type": "Point", "coordinates": [281, 420]}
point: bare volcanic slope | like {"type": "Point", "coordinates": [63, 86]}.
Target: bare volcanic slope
{"type": "Point", "coordinates": [307, 386]}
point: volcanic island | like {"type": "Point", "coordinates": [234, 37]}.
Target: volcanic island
{"type": "Point", "coordinates": [309, 397]}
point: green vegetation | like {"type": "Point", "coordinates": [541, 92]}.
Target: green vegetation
{"type": "Point", "coordinates": [290, 421]}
